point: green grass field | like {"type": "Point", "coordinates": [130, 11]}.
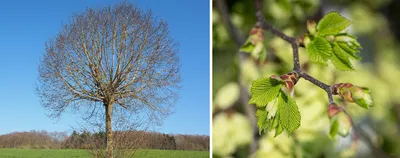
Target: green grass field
{"type": "Point", "coordinates": [72, 153]}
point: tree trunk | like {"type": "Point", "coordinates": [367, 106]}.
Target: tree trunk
{"type": "Point", "coordinates": [108, 107]}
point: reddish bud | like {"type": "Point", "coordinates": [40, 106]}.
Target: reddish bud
{"type": "Point", "coordinates": [290, 80]}
{"type": "Point", "coordinates": [256, 35]}
{"type": "Point", "coordinates": [333, 109]}
{"type": "Point", "coordinates": [352, 93]}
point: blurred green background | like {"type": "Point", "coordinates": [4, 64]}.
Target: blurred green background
{"type": "Point", "coordinates": [377, 26]}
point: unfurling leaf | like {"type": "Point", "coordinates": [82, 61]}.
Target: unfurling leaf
{"type": "Point", "coordinates": [311, 27]}
{"type": "Point", "coordinates": [351, 93]}
{"type": "Point", "coordinates": [272, 107]}
{"type": "Point", "coordinates": [275, 108]}
{"type": "Point", "coordinates": [344, 124]}
{"type": "Point", "coordinates": [334, 128]}
{"type": "Point", "coordinates": [340, 122]}
{"type": "Point", "coordinates": [331, 42]}
{"type": "Point", "coordinates": [341, 59]}
{"type": "Point", "coordinates": [255, 44]}
{"type": "Point", "coordinates": [332, 24]}
{"type": "Point", "coordinates": [288, 113]}
{"type": "Point", "coordinates": [319, 50]}
{"type": "Point", "coordinates": [268, 118]}
{"type": "Point", "coordinates": [281, 114]}
{"type": "Point", "coordinates": [264, 90]}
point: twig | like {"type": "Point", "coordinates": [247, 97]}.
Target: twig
{"type": "Point", "coordinates": [291, 40]}
{"type": "Point", "coordinates": [295, 47]}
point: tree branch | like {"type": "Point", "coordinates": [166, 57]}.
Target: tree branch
{"type": "Point", "coordinates": [291, 40]}
{"type": "Point", "coordinates": [297, 69]}
{"type": "Point", "coordinates": [295, 47]}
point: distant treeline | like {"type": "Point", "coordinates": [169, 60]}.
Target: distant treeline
{"type": "Point", "coordinates": [87, 140]}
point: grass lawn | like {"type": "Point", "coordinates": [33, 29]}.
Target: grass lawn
{"type": "Point", "coordinates": [76, 153]}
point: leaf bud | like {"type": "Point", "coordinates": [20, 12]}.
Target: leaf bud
{"type": "Point", "coordinates": [352, 93]}
{"type": "Point", "coordinates": [311, 27]}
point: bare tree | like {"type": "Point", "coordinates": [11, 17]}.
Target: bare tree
{"type": "Point", "coordinates": [128, 135]}
{"type": "Point", "coordinates": [110, 58]}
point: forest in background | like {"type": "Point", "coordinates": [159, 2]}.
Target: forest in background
{"type": "Point", "coordinates": [87, 140]}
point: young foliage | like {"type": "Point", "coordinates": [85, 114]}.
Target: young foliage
{"type": "Point", "coordinates": [328, 40]}
{"type": "Point", "coordinates": [340, 125]}
{"type": "Point", "coordinates": [332, 24]}
{"type": "Point", "coordinates": [289, 113]}
{"type": "Point", "coordinates": [354, 94]}
{"type": "Point", "coordinates": [255, 44]}
{"type": "Point", "coordinates": [340, 122]}
{"type": "Point", "coordinates": [275, 109]}
{"type": "Point", "coordinates": [319, 50]}
{"type": "Point", "coordinates": [264, 90]}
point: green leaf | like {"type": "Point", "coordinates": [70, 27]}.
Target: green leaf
{"type": "Point", "coordinates": [264, 90]}
{"type": "Point", "coordinates": [349, 50]}
{"type": "Point", "coordinates": [362, 97]}
{"type": "Point", "coordinates": [334, 128]}
{"type": "Point", "coordinates": [278, 130]}
{"type": "Point", "coordinates": [319, 50]}
{"type": "Point", "coordinates": [247, 47]}
{"type": "Point", "coordinates": [331, 24]}
{"type": "Point", "coordinates": [341, 59]}
{"type": "Point", "coordinates": [289, 115]}
{"type": "Point", "coordinates": [259, 51]}
{"type": "Point", "coordinates": [344, 124]}
{"type": "Point", "coordinates": [262, 121]}
{"type": "Point", "coordinates": [263, 55]}
{"type": "Point", "coordinates": [274, 122]}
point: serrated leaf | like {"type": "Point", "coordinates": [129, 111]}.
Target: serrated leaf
{"type": "Point", "coordinates": [264, 90]}
{"type": "Point", "coordinates": [289, 115]}
{"type": "Point", "coordinates": [350, 51]}
{"type": "Point", "coordinates": [278, 130]}
{"type": "Point", "coordinates": [263, 123]}
{"type": "Point", "coordinates": [261, 115]}
{"type": "Point", "coordinates": [334, 128]}
{"type": "Point", "coordinates": [274, 122]}
{"type": "Point", "coordinates": [331, 24]}
{"type": "Point", "coordinates": [319, 50]}
{"type": "Point", "coordinates": [341, 59]}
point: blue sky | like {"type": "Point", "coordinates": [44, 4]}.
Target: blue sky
{"type": "Point", "coordinates": [26, 25]}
